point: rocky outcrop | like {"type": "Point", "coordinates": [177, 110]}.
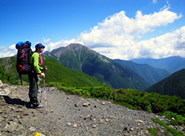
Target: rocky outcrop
{"type": "Point", "coordinates": [69, 115]}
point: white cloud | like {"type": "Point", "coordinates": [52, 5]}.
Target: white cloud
{"type": "Point", "coordinates": [154, 1]}
{"type": "Point", "coordinates": [169, 44]}
{"type": "Point", "coordinates": [6, 54]}
{"type": "Point", "coordinates": [118, 27]}
{"type": "Point", "coordinates": [45, 40]}
{"type": "Point", "coordinates": [3, 48]}
{"type": "Point", "coordinates": [114, 37]}
{"type": "Point", "coordinates": [12, 47]}
{"type": "Point", "coordinates": [166, 6]}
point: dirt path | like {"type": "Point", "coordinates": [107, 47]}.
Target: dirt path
{"type": "Point", "coordinates": [70, 115]}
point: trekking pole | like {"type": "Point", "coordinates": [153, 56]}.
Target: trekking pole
{"type": "Point", "coordinates": [42, 91]}
{"type": "Point", "coordinates": [45, 92]}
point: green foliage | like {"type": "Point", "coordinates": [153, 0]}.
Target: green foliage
{"type": "Point", "coordinates": [9, 73]}
{"type": "Point", "coordinates": [74, 91]}
{"type": "Point", "coordinates": [152, 131]}
{"type": "Point", "coordinates": [132, 97]}
{"type": "Point", "coordinates": [6, 77]}
{"type": "Point", "coordinates": [101, 92]}
{"type": "Point", "coordinates": [171, 130]}
{"type": "Point", "coordinates": [174, 118]}
{"type": "Point", "coordinates": [151, 102]}
{"type": "Point", "coordinates": [125, 105]}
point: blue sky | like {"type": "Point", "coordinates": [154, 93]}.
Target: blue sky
{"type": "Point", "coordinates": [118, 29]}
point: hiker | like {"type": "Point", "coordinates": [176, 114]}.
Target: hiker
{"type": "Point", "coordinates": [36, 62]}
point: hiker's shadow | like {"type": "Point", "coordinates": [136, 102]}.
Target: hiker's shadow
{"type": "Point", "coordinates": [9, 100]}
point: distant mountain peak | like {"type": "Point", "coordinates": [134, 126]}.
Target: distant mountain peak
{"type": "Point", "coordinates": [80, 58]}
{"type": "Point", "coordinates": [77, 46]}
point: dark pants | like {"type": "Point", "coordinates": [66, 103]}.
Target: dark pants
{"type": "Point", "coordinates": [33, 90]}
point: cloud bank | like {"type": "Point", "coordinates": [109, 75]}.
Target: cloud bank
{"type": "Point", "coordinates": [115, 36]}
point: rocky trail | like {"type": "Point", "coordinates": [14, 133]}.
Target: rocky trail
{"type": "Point", "coordinates": [69, 115]}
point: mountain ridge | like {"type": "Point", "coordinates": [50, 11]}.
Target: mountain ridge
{"type": "Point", "coordinates": [77, 57]}
{"type": "Point", "coordinates": [171, 64]}
{"type": "Point", "coordinates": [80, 58]}
{"type": "Point", "coordinates": [151, 74]}
{"type": "Point", "coordinates": [172, 85]}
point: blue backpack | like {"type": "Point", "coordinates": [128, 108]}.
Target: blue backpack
{"type": "Point", "coordinates": [24, 53]}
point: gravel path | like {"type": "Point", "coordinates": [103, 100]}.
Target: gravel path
{"type": "Point", "coordinates": [70, 115]}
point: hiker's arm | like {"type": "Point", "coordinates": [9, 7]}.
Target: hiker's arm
{"type": "Point", "coordinates": [36, 63]}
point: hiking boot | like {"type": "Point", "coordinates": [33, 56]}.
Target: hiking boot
{"type": "Point", "coordinates": [38, 106]}
{"type": "Point", "coordinates": [28, 105]}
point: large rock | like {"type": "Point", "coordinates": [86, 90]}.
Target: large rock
{"type": "Point", "coordinates": [4, 89]}
{"type": "Point", "coordinates": [4, 92]}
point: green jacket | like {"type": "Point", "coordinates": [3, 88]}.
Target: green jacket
{"type": "Point", "coordinates": [35, 59]}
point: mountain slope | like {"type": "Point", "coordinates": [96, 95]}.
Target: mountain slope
{"type": "Point", "coordinates": [74, 56]}
{"type": "Point", "coordinates": [149, 73]}
{"type": "Point", "coordinates": [81, 58]}
{"type": "Point", "coordinates": [171, 64]}
{"type": "Point", "coordinates": [55, 73]}
{"type": "Point", "coordinates": [172, 85]}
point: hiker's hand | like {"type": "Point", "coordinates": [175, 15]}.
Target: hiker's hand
{"type": "Point", "coordinates": [44, 68]}
{"type": "Point", "coordinates": [43, 75]}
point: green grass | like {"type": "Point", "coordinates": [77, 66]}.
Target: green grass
{"type": "Point", "coordinates": [168, 129]}
{"type": "Point", "coordinates": [100, 92]}
{"type": "Point", "coordinates": [55, 73]}
{"type": "Point", "coordinates": [174, 118]}
{"type": "Point", "coordinates": [151, 102]}
{"type": "Point", "coordinates": [152, 131]}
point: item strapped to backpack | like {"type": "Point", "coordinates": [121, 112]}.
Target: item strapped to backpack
{"type": "Point", "coordinates": [24, 53]}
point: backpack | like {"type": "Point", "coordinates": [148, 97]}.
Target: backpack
{"type": "Point", "coordinates": [24, 53]}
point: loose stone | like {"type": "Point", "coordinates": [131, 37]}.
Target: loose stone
{"type": "Point", "coordinates": [75, 125]}
{"type": "Point", "coordinates": [94, 126]}
{"type": "Point", "coordinates": [86, 104]}
{"type": "Point", "coordinates": [103, 103]}
{"type": "Point", "coordinates": [69, 124]}
{"type": "Point", "coordinates": [76, 105]}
